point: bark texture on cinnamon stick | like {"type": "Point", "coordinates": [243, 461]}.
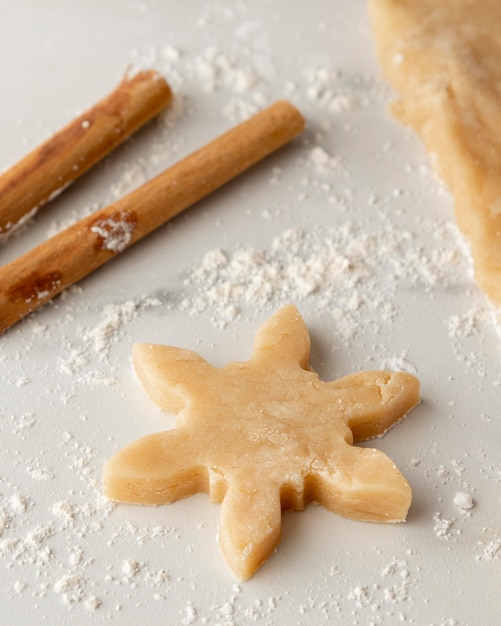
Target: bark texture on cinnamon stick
{"type": "Point", "coordinates": [34, 278]}
{"type": "Point", "coordinates": [53, 165]}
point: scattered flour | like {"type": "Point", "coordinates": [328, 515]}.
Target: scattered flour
{"type": "Point", "coordinates": [115, 317]}
{"type": "Point", "coordinates": [115, 232]}
{"type": "Point", "coordinates": [5, 521]}
{"type": "Point", "coordinates": [133, 177]}
{"type": "Point", "coordinates": [444, 528]}
{"type": "Point", "coordinates": [490, 551]}
{"type": "Point", "coordinates": [340, 269]}
{"type": "Point", "coordinates": [20, 586]}
{"type": "Point", "coordinates": [322, 161]}
{"type": "Point", "coordinates": [325, 86]}
{"type": "Point", "coordinates": [248, 91]}
{"type": "Point", "coordinates": [19, 503]}
{"type": "Point", "coordinates": [41, 473]}
{"type": "Point", "coordinates": [463, 501]}
{"type": "Point", "coordinates": [468, 324]}
{"type": "Point", "coordinates": [71, 588]}
{"type": "Point", "coordinates": [58, 225]}
{"type": "Point", "coordinates": [130, 568]}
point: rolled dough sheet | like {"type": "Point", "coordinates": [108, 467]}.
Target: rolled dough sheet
{"type": "Point", "coordinates": [444, 59]}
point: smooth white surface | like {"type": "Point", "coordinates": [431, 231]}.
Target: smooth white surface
{"type": "Point", "coordinates": [60, 421]}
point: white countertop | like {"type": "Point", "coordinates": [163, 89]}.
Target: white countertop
{"type": "Point", "coordinates": [353, 209]}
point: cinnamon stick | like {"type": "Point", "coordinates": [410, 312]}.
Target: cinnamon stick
{"type": "Point", "coordinates": [34, 278]}
{"type": "Point", "coordinates": [57, 162]}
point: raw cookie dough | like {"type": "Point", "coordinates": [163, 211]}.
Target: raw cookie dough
{"type": "Point", "coordinates": [263, 436]}
{"type": "Point", "coordinates": [444, 58]}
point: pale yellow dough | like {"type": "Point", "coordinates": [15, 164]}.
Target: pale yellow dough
{"type": "Point", "coordinates": [263, 436]}
{"type": "Point", "coordinates": [444, 58]}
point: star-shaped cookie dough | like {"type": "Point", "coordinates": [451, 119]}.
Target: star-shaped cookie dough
{"type": "Point", "coordinates": [263, 436]}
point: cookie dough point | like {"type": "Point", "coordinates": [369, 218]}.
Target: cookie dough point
{"type": "Point", "coordinates": [263, 436]}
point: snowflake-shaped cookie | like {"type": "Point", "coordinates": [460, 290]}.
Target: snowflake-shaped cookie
{"type": "Point", "coordinates": [263, 436]}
